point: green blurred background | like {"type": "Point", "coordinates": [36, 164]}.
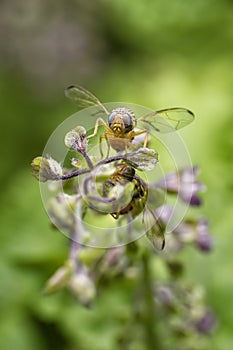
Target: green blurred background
{"type": "Point", "coordinates": [155, 53]}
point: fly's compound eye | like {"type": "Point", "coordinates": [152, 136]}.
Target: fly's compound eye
{"type": "Point", "coordinates": [112, 117]}
{"type": "Point", "coordinates": [123, 116]}
{"type": "Point", "coordinates": [128, 173]}
{"type": "Point", "coordinates": [128, 123]}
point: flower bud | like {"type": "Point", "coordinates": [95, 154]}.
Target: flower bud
{"type": "Point", "coordinates": [76, 139]}
{"type": "Point", "coordinates": [83, 287]}
{"type": "Point", "coordinates": [60, 278]}
{"type": "Point", "coordinates": [62, 211]}
{"type": "Point", "coordinates": [113, 257]}
{"type": "Point", "coordinates": [44, 169]}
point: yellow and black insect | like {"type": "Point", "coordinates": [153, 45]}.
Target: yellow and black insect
{"type": "Point", "coordinates": [120, 129]}
{"type": "Point", "coordinates": [122, 175]}
{"type": "Point", "coordinates": [138, 203]}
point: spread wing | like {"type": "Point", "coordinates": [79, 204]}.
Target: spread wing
{"type": "Point", "coordinates": [83, 97]}
{"type": "Point", "coordinates": [166, 120]}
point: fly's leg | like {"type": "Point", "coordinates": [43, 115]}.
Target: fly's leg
{"type": "Point", "coordinates": [103, 136]}
{"type": "Point", "coordinates": [100, 146]}
{"type": "Point", "coordinates": [108, 145]}
{"type": "Point", "coordinates": [145, 139]}
{"type": "Point", "coordinates": [98, 122]}
{"type": "Point", "coordinates": [137, 133]}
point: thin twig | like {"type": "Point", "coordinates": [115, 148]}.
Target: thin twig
{"type": "Point", "coordinates": [78, 172]}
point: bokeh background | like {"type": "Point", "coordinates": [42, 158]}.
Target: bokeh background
{"type": "Point", "coordinates": [157, 53]}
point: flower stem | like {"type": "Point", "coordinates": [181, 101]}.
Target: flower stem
{"type": "Point", "coordinates": [78, 172]}
{"type": "Point", "coordinates": [149, 317]}
{"type": "Point", "coordinates": [88, 159]}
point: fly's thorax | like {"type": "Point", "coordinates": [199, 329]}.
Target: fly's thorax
{"type": "Point", "coordinates": [121, 121]}
{"type": "Point", "coordinates": [123, 174]}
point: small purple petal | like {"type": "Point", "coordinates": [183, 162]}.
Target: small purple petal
{"type": "Point", "coordinates": [170, 182]}
{"type": "Point", "coordinates": [188, 175]}
{"type": "Point", "coordinates": [195, 201]}
{"type": "Point", "coordinates": [164, 295]}
{"type": "Point", "coordinates": [164, 213]}
{"type": "Point", "coordinates": [204, 240]}
{"type": "Point", "coordinates": [188, 192]}
{"type": "Point", "coordinates": [204, 243]}
{"type": "Point", "coordinates": [207, 323]}
{"type": "Point", "coordinates": [113, 256]}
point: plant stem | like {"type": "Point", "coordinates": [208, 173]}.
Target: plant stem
{"type": "Point", "coordinates": [74, 173]}
{"type": "Point", "coordinates": [150, 320]}
{"type": "Point", "coordinates": [78, 172]}
{"type": "Point", "coordinates": [88, 159]}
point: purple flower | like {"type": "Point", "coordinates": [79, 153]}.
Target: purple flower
{"type": "Point", "coordinates": [185, 184]}
{"type": "Point", "coordinates": [195, 231]}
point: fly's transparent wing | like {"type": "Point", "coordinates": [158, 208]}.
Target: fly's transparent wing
{"type": "Point", "coordinates": [83, 97]}
{"type": "Point", "coordinates": [166, 120]}
{"type": "Point", "coordinates": [154, 232]}
{"type": "Point", "coordinates": [156, 198]}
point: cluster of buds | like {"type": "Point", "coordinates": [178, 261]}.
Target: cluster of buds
{"type": "Point", "coordinates": [111, 189]}
{"type": "Point", "coordinates": [185, 310]}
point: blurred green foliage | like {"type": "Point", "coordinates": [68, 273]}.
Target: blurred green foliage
{"type": "Point", "coordinates": [157, 53]}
